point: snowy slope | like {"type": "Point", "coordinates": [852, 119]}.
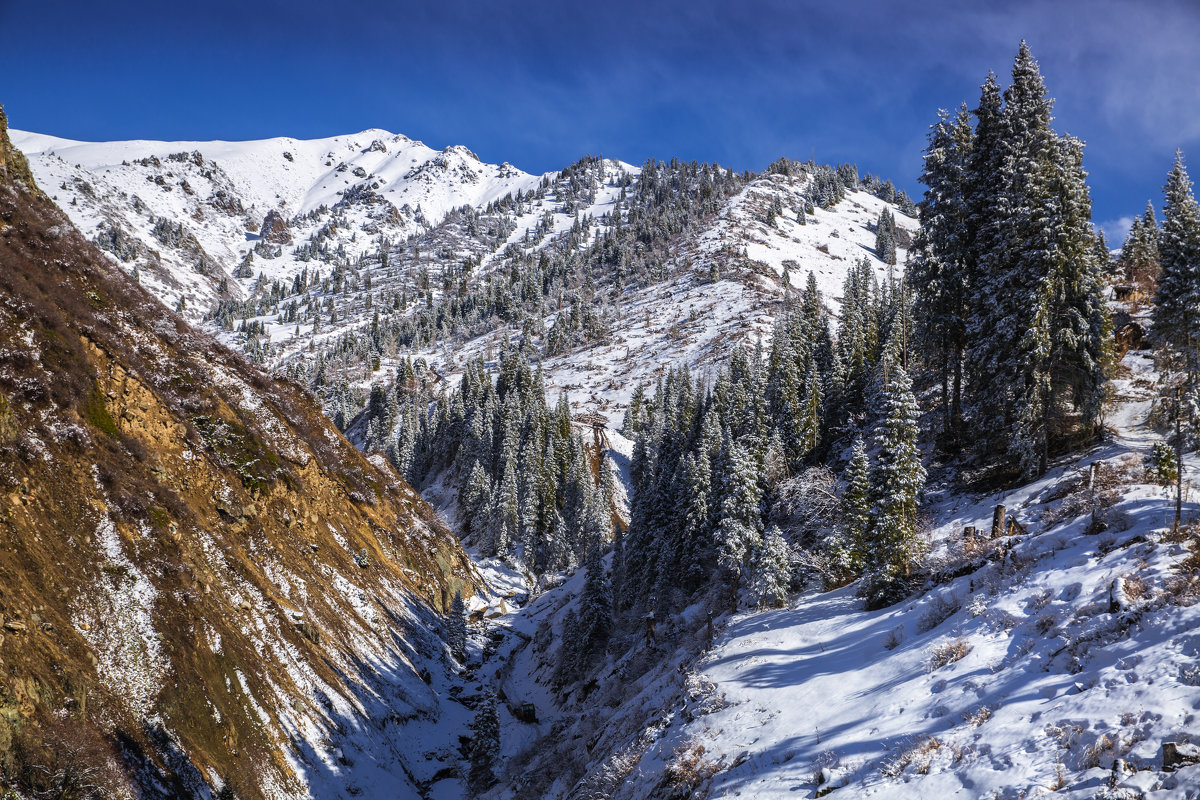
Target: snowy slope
{"type": "Point", "coordinates": [1074, 645]}
{"type": "Point", "coordinates": [693, 320]}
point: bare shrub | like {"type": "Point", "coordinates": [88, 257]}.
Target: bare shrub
{"type": "Point", "coordinates": [614, 773]}
{"type": "Point", "coordinates": [1040, 600]}
{"type": "Point", "coordinates": [1095, 753]}
{"type": "Point", "coordinates": [827, 760]}
{"type": "Point", "coordinates": [806, 504]}
{"type": "Point", "coordinates": [690, 767]}
{"type": "Point", "coordinates": [1134, 586]}
{"type": "Point", "coordinates": [947, 653]}
{"type": "Point", "coordinates": [1190, 675]}
{"type": "Point", "coordinates": [893, 638]}
{"type": "Point", "coordinates": [940, 609]}
{"type": "Point", "coordinates": [978, 716]}
{"type": "Point", "coordinates": [918, 755]}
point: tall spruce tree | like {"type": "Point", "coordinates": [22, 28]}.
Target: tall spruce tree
{"type": "Point", "coordinates": [771, 569]}
{"type": "Point", "coordinates": [896, 483]}
{"type": "Point", "coordinates": [1036, 332]}
{"type": "Point", "coordinates": [988, 212]}
{"type": "Point", "coordinates": [485, 745]}
{"type": "Point", "coordinates": [1066, 344]}
{"type": "Point", "coordinates": [855, 510]}
{"type": "Point", "coordinates": [1176, 315]}
{"type": "Point", "coordinates": [739, 529]}
{"type": "Point", "coordinates": [937, 269]}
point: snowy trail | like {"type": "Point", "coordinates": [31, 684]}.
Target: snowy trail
{"type": "Point", "coordinates": [1129, 420]}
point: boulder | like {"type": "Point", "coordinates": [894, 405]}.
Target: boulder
{"type": "Point", "coordinates": [275, 229]}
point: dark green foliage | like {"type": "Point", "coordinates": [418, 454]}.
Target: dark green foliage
{"type": "Point", "coordinates": [1009, 248]}
{"type": "Point", "coordinates": [485, 745]}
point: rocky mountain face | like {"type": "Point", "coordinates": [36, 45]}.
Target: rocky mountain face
{"type": "Point", "coordinates": [204, 589]}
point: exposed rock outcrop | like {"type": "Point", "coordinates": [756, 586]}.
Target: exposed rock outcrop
{"type": "Point", "coordinates": [202, 583]}
{"type": "Point", "coordinates": [275, 229]}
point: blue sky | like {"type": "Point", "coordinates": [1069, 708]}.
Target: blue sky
{"type": "Point", "coordinates": [541, 83]}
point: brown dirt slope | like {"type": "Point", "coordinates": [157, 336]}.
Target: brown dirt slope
{"type": "Point", "coordinates": [200, 577]}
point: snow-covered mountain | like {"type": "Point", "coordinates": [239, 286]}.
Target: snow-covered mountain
{"type": "Point", "coordinates": [378, 226]}
{"type": "Point", "coordinates": [220, 193]}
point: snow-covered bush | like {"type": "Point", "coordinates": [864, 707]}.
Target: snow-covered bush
{"type": "Point", "coordinates": [1163, 464]}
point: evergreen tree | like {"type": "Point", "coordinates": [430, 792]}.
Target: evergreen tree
{"type": "Point", "coordinates": [771, 570]}
{"type": "Point", "coordinates": [812, 412]}
{"type": "Point", "coordinates": [885, 237]}
{"type": "Point", "coordinates": [1065, 348]}
{"type": "Point", "coordinates": [896, 483]}
{"type": "Point", "coordinates": [456, 628]}
{"type": "Point", "coordinates": [485, 744]}
{"type": "Point", "coordinates": [595, 621]}
{"type": "Point", "coordinates": [1139, 254]}
{"type": "Point", "coordinates": [937, 269]}
{"type": "Point", "coordinates": [1036, 332]}
{"type": "Point", "coordinates": [739, 528]}
{"type": "Point", "coordinates": [695, 523]}
{"type": "Point", "coordinates": [1176, 315]}
{"type": "Point", "coordinates": [855, 511]}
{"type": "Point", "coordinates": [985, 192]}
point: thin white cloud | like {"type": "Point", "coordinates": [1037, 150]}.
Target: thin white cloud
{"type": "Point", "coordinates": [1115, 230]}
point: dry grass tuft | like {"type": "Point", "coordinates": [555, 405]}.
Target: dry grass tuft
{"type": "Point", "coordinates": [919, 755]}
{"type": "Point", "coordinates": [978, 716]}
{"type": "Point", "coordinates": [1134, 586]}
{"type": "Point", "coordinates": [691, 767]}
{"type": "Point", "coordinates": [948, 653]}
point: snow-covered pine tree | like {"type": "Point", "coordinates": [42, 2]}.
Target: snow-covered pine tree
{"type": "Point", "coordinates": [504, 517]}
{"type": "Point", "coordinates": [885, 237]}
{"type": "Point", "coordinates": [739, 527]}
{"type": "Point", "coordinates": [1064, 347]}
{"type": "Point", "coordinates": [485, 744]}
{"type": "Point", "coordinates": [595, 621]}
{"type": "Point", "coordinates": [456, 628]}
{"type": "Point", "coordinates": [1139, 253]}
{"type": "Point", "coordinates": [473, 501]}
{"type": "Point", "coordinates": [988, 209]}
{"type": "Point", "coordinates": [784, 390]}
{"type": "Point", "coordinates": [1035, 332]}
{"type": "Point", "coordinates": [937, 268]}
{"type": "Point", "coordinates": [812, 412]}
{"type": "Point", "coordinates": [695, 538]}
{"type": "Point", "coordinates": [1176, 316]}
{"type": "Point", "coordinates": [853, 544]}
{"type": "Point", "coordinates": [896, 483]}
{"type": "Point", "coordinates": [771, 569]}
{"type": "Point", "coordinates": [529, 512]}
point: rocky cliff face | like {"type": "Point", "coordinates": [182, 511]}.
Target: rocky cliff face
{"type": "Point", "coordinates": [203, 586]}
{"type": "Point", "coordinates": [13, 165]}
